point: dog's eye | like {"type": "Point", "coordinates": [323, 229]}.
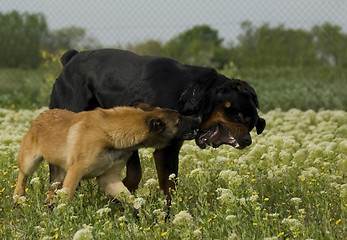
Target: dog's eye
{"type": "Point", "coordinates": [240, 116]}
{"type": "Point", "coordinates": [248, 119]}
{"type": "Point", "coordinates": [231, 111]}
{"type": "Point", "coordinates": [234, 115]}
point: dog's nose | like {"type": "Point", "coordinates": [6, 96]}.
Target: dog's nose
{"type": "Point", "coordinates": [247, 140]}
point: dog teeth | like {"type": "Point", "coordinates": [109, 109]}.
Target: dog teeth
{"type": "Point", "coordinates": [234, 143]}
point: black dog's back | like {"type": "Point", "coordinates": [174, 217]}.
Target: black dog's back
{"type": "Point", "coordinates": [110, 77]}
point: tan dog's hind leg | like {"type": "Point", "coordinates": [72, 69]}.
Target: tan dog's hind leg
{"type": "Point", "coordinates": [28, 161]}
{"type": "Point", "coordinates": [73, 177]}
{"type": "Point", "coordinates": [20, 187]}
{"type": "Point", "coordinates": [112, 182]}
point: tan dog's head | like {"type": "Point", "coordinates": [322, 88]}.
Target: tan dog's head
{"type": "Point", "coordinates": [165, 125]}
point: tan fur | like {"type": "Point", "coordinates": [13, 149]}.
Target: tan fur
{"type": "Point", "coordinates": [91, 144]}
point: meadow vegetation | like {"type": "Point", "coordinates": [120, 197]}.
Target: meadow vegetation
{"type": "Point", "coordinates": [290, 184]}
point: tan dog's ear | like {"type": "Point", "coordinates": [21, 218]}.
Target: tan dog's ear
{"type": "Point", "coordinates": [155, 125]}
{"type": "Point", "coordinates": [143, 106]}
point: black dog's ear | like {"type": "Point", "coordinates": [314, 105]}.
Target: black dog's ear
{"type": "Point", "coordinates": [260, 125]}
{"type": "Point", "coordinates": [194, 96]}
{"type": "Point", "coordinates": [243, 86]}
{"type": "Point", "coordinates": [144, 106]}
{"type": "Point", "coordinates": [155, 125]}
{"type": "Point", "coordinates": [67, 56]}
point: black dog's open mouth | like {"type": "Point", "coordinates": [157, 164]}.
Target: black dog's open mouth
{"type": "Point", "coordinates": [217, 135]}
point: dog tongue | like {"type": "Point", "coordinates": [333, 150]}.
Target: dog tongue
{"type": "Point", "coordinates": [212, 136]}
{"type": "Point", "coordinates": [216, 136]}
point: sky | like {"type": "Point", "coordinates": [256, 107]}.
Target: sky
{"type": "Point", "coordinates": [115, 22]}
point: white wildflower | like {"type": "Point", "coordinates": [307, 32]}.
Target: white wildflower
{"type": "Point", "coordinates": [197, 233]}
{"type": "Point", "coordinates": [35, 181]}
{"type": "Point", "coordinates": [39, 229]}
{"type": "Point", "coordinates": [138, 202]}
{"type": "Point", "coordinates": [84, 234]}
{"type": "Point", "coordinates": [222, 159]}
{"type": "Point", "coordinates": [55, 185]}
{"type": "Point", "coordinates": [254, 197]}
{"type": "Point", "coordinates": [296, 200]}
{"type": "Point", "coordinates": [230, 177]}
{"type": "Point", "coordinates": [226, 195]}
{"type": "Point", "coordinates": [19, 199]}
{"type": "Point", "coordinates": [161, 215]}
{"type": "Point", "coordinates": [230, 218]}
{"type": "Point", "coordinates": [151, 182]}
{"type": "Point", "coordinates": [133, 228]}
{"type": "Point", "coordinates": [61, 206]}
{"type": "Point", "coordinates": [47, 237]}
{"type": "Point", "coordinates": [183, 218]}
{"type": "Point", "coordinates": [311, 172]}
{"type": "Point", "coordinates": [172, 176]}
{"type": "Point", "coordinates": [300, 155]}
{"type": "Point", "coordinates": [81, 195]}
{"type": "Point", "coordinates": [274, 215]}
{"type": "Point", "coordinates": [233, 236]}
{"type": "Point", "coordinates": [271, 238]}
{"type": "Point", "coordinates": [61, 193]}
{"type": "Point", "coordinates": [242, 201]}
{"type": "Point", "coordinates": [162, 202]}
{"type": "Point", "coordinates": [343, 191]}
{"type": "Point", "coordinates": [294, 224]}
{"type": "Point", "coordinates": [189, 148]}
{"type": "Point", "coordinates": [285, 155]}
{"type": "Point", "coordinates": [302, 211]}
{"type": "Point", "coordinates": [198, 174]}
{"type": "Point", "coordinates": [103, 211]}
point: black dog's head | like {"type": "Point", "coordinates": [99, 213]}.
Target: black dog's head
{"type": "Point", "coordinates": [228, 114]}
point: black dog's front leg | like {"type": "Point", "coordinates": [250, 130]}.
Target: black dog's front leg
{"type": "Point", "coordinates": [166, 161]}
{"type": "Point", "coordinates": [133, 172]}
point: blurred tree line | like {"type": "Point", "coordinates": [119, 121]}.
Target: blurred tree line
{"type": "Point", "coordinates": [24, 36]}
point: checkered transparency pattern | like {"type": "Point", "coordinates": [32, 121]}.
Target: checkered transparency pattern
{"type": "Point", "coordinates": [118, 22]}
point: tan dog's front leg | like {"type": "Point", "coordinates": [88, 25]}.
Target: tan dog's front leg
{"type": "Point", "coordinates": [112, 182]}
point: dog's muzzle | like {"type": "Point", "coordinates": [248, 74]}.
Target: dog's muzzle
{"type": "Point", "coordinates": [219, 134]}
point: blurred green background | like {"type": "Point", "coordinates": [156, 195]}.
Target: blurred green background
{"type": "Point", "coordinates": [300, 67]}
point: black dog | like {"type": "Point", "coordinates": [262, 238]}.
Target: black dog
{"type": "Point", "coordinates": [108, 77]}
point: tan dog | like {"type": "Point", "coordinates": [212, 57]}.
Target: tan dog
{"type": "Point", "coordinates": [97, 143]}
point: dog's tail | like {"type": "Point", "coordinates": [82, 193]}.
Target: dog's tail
{"type": "Point", "coordinates": [67, 56]}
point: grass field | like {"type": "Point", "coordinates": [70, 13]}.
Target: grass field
{"type": "Point", "coordinates": [291, 183]}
